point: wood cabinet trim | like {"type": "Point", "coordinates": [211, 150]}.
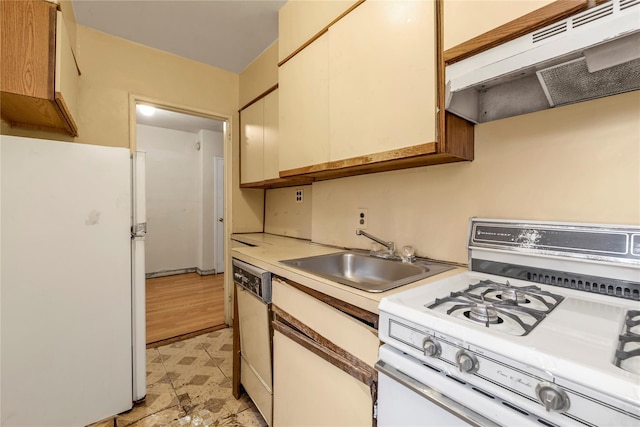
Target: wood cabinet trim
{"type": "Point", "coordinates": [532, 21]}
{"type": "Point", "coordinates": [70, 124]}
{"type": "Point", "coordinates": [236, 387]}
{"type": "Point", "coordinates": [279, 182]}
{"type": "Point", "coordinates": [320, 33]}
{"type": "Point", "coordinates": [358, 313]}
{"type": "Point", "coordinates": [259, 97]}
{"type": "Point", "coordinates": [367, 160]}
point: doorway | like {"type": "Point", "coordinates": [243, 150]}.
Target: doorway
{"type": "Point", "coordinates": [185, 229]}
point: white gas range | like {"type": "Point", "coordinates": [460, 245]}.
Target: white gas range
{"type": "Point", "coordinates": [544, 329]}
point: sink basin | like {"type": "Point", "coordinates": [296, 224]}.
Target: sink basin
{"type": "Point", "coordinates": [366, 272]}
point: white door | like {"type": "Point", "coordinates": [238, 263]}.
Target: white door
{"type": "Point", "coordinates": [218, 171]}
{"type": "Point", "coordinates": [138, 279]}
{"type": "Point", "coordinates": [66, 282]}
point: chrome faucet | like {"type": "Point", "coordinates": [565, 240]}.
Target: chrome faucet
{"type": "Point", "coordinates": [391, 247]}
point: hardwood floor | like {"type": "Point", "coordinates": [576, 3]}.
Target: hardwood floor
{"type": "Point", "coordinates": [183, 304]}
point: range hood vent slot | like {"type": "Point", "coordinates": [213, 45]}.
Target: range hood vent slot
{"type": "Point", "coordinates": [549, 32]}
{"type": "Point", "coordinates": [594, 15]}
{"type": "Point", "coordinates": [628, 3]}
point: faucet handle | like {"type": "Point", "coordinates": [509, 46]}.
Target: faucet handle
{"type": "Point", "coordinates": [408, 253]}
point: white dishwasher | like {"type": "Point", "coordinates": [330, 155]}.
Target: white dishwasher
{"type": "Point", "coordinates": [254, 305]}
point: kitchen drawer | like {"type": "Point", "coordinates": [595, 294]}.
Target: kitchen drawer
{"type": "Point", "coordinates": [343, 330]}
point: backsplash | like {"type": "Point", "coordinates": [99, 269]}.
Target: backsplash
{"type": "Point", "coordinates": [577, 163]}
{"type": "Point", "coordinates": [288, 214]}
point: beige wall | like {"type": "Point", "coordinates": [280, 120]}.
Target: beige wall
{"type": "Point", "coordinates": [286, 217]}
{"type": "Point", "coordinates": [113, 68]}
{"type": "Point", "coordinates": [260, 75]}
{"type": "Point", "coordinates": [576, 163]}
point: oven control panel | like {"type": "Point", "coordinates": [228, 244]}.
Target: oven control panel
{"type": "Point", "coordinates": [530, 388]}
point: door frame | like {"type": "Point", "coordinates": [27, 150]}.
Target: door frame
{"type": "Point", "coordinates": [134, 100]}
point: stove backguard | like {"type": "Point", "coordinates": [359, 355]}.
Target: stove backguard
{"type": "Point", "coordinates": [611, 245]}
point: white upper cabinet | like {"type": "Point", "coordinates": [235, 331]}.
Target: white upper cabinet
{"type": "Point", "coordinates": [251, 147]}
{"type": "Point", "coordinates": [382, 78]}
{"type": "Point", "coordinates": [259, 140]}
{"type": "Point", "coordinates": [271, 136]}
{"type": "Point", "coordinates": [300, 20]}
{"type": "Point", "coordinates": [304, 107]}
{"type": "Point", "coordinates": [359, 91]}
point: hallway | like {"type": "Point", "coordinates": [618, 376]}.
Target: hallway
{"type": "Point", "coordinates": [183, 305]}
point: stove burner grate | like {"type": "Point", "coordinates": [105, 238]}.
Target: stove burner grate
{"type": "Point", "coordinates": [632, 320]}
{"type": "Point", "coordinates": [490, 303]}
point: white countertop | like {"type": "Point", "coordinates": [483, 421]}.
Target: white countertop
{"type": "Point", "coordinates": [269, 249]}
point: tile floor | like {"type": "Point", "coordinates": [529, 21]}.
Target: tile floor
{"type": "Point", "coordinates": [189, 383]}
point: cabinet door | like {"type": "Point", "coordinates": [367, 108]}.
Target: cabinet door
{"type": "Point", "coordinates": [309, 390]}
{"type": "Point", "coordinates": [340, 328]}
{"type": "Point", "coordinates": [464, 19]}
{"type": "Point", "coordinates": [38, 74]}
{"type": "Point", "coordinates": [255, 347]}
{"type": "Point", "coordinates": [271, 136]}
{"type": "Point", "coordinates": [382, 73]}
{"type": "Point", "coordinates": [299, 21]}
{"type": "Point", "coordinates": [304, 107]}
{"type": "Point", "coordinates": [251, 147]}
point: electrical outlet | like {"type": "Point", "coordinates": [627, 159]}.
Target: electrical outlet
{"type": "Point", "coordinates": [362, 218]}
{"type": "Point", "coordinates": [299, 197]}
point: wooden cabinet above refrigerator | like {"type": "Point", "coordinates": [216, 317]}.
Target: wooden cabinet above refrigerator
{"type": "Point", "coordinates": [39, 74]}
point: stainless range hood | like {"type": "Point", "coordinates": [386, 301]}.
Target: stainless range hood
{"type": "Point", "coordinates": [590, 55]}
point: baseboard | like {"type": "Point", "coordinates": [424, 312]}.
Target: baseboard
{"type": "Point", "coordinates": [164, 273]}
{"type": "Point", "coordinates": [205, 272]}
{"type": "Point", "coordinates": [185, 336]}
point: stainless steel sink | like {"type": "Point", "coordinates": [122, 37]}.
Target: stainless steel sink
{"type": "Point", "coordinates": [365, 272]}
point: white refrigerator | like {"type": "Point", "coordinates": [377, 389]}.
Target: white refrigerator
{"type": "Point", "coordinates": [71, 284]}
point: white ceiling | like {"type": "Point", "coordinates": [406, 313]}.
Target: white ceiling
{"type": "Point", "coordinates": [227, 34]}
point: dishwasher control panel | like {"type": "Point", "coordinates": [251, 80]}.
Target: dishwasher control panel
{"type": "Point", "coordinates": [253, 279]}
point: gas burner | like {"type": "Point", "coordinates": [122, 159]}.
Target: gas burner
{"type": "Point", "coordinates": [483, 313]}
{"type": "Point", "coordinates": [530, 296]}
{"type": "Point", "coordinates": [501, 306]}
{"type": "Point", "coordinates": [513, 295]}
{"type": "Point", "coordinates": [628, 352]}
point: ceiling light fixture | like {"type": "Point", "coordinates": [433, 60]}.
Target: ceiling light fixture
{"type": "Point", "coordinates": [146, 110]}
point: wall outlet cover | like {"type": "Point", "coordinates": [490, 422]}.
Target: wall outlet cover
{"type": "Point", "coordinates": [299, 196]}
{"type": "Point", "coordinates": [362, 218]}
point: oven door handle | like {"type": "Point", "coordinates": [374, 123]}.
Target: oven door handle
{"type": "Point", "coordinates": [434, 396]}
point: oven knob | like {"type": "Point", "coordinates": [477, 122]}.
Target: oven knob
{"type": "Point", "coordinates": [431, 347]}
{"type": "Point", "coordinates": [466, 361]}
{"type": "Point", "coordinates": [552, 397]}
